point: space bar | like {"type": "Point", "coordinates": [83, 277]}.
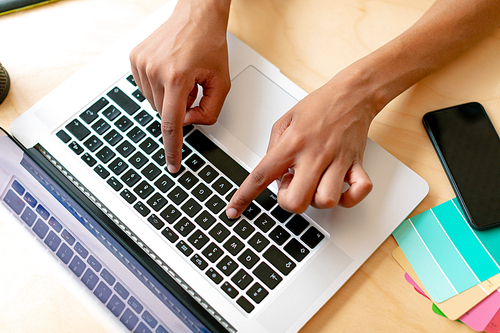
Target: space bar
{"type": "Point", "coordinates": [217, 157]}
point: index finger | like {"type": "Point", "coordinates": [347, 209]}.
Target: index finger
{"type": "Point", "coordinates": [172, 120]}
{"type": "Point", "coordinates": [272, 166]}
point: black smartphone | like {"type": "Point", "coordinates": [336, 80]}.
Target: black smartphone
{"type": "Point", "coordinates": [469, 149]}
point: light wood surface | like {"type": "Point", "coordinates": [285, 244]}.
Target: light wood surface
{"type": "Point", "coordinates": [310, 41]}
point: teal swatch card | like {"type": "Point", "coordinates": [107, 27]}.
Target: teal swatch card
{"type": "Point", "coordinates": [448, 255]}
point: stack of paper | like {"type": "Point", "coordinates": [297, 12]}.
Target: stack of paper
{"type": "Point", "coordinates": [453, 265]}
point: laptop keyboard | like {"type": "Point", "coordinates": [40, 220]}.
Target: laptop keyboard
{"type": "Point", "coordinates": [81, 261]}
{"type": "Point", "coordinates": [247, 258]}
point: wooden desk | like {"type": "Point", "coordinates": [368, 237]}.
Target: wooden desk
{"type": "Point", "coordinates": [311, 41]}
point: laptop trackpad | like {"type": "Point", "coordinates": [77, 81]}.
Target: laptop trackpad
{"type": "Point", "coordinates": [317, 277]}
{"type": "Point", "coordinates": [251, 108]}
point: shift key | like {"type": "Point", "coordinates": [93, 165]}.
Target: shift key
{"type": "Point", "coordinates": [279, 260]}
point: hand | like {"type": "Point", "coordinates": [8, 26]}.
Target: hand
{"type": "Point", "coordinates": [314, 148]}
{"type": "Point", "coordinates": [188, 50]}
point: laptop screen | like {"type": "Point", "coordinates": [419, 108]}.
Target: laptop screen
{"type": "Point", "coordinates": [100, 271]}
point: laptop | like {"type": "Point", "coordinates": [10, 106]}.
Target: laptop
{"type": "Point", "coordinates": [85, 176]}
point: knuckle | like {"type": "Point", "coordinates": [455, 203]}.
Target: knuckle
{"type": "Point", "coordinates": [293, 205]}
{"type": "Point", "coordinates": [258, 178]}
{"type": "Point", "coordinates": [324, 201]}
{"type": "Point", "coordinates": [168, 128]}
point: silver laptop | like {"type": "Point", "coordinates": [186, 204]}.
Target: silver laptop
{"type": "Point", "coordinates": [154, 248]}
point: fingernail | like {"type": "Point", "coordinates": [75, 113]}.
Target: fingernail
{"type": "Point", "coordinates": [171, 168]}
{"type": "Point", "coordinates": [232, 213]}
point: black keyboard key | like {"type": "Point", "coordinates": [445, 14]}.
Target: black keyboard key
{"type": "Point", "coordinates": [136, 134]}
{"type": "Point", "coordinates": [201, 192]}
{"type": "Point", "coordinates": [198, 239]}
{"type": "Point", "coordinates": [229, 196]}
{"type": "Point", "coordinates": [258, 242]}
{"type": "Point", "coordinates": [81, 250]}
{"type": "Point", "coordinates": [52, 241]}
{"type": "Point", "coordinates": [101, 171]}
{"type": "Point", "coordinates": [205, 220]}
{"type": "Point", "coordinates": [40, 228]}
{"type": "Point", "coordinates": [78, 130]}
{"type": "Point", "coordinates": [194, 162]}
{"type": "Point", "coordinates": [87, 158]}
{"type": "Point", "coordinates": [212, 252]}
{"type": "Point", "coordinates": [267, 275]}
{"type": "Point", "coordinates": [90, 279]}
{"type": "Point", "coordinates": [248, 258]}
{"type": "Point", "coordinates": [312, 237]}
{"type": "Point", "coordinates": [234, 245]}
{"type": "Point", "coordinates": [245, 304]}
{"type": "Point", "coordinates": [115, 305]}
{"type": "Point", "coordinates": [208, 174]}
{"type": "Point", "coordinates": [229, 222]}
{"type": "Point", "coordinates": [178, 173]}
{"type": "Point", "coordinates": [244, 229]}
{"type": "Point", "coordinates": [157, 202]}
{"type": "Point", "coordinates": [151, 171]}
{"type": "Point", "coordinates": [63, 136]}
{"type": "Point", "coordinates": [242, 279]}
{"type": "Point", "coordinates": [65, 253]}
{"type": "Point", "coordinates": [184, 226]}
{"type": "Point", "coordinates": [143, 190]}
{"type": "Point", "coordinates": [191, 208]}
{"type": "Point", "coordinates": [222, 186]}
{"type": "Point", "coordinates": [138, 94]}
{"type": "Point", "coordinates": [156, 222]}
{"type": "Point", "coordinates": [105, 155]}
{"type": "Point", "coordinates": [125, 102]}
{"type": "Point", "coordinates": [185, 151]}
{"type": "Point", "coordinates": [77, 266]}
{"type": "Point", "coordinates": [118, 166]}
{"type": "Point", "coordinates": [128, 196]}
{"type": "Point", "coordinates": [69, 238]}
{"type": "Point", "coordinates": [177, 195]}
{"type": "Point", "coordinates": [159, 157]}
{"type": "Point", "coordinates": [28, 216]}
{"type": "Point", "coordinates": [199, 261]}
{"type": "Point", "coordinates": [227, 265]}
{"type": "Point", "coordinates": [123, 123]}
{"type": "Point", "coordinates": [297, 224]}
{"type": "Point", "coordinates": [113, 138]}
{"type": "Point", "coordinates": [280, 214]}
{"type": "Point", "coordinates": [148, 146]}
{"type": "Point", "coordinates": [44, 214]}
{"type": "Point", "coordinates": [76, 148]}
{"type": "Point", "coordinates": [251, 211]}
{"type": "Point", "coordinates": [18, 187]}
{"type": "Point", "coordinates": [138, 160]}
{"type": "Point", "coordinates": [155, 128]}
{"type": "Point", "coordinates": [91, 113]}
{"type": "Point", "coordinates": [264, 222]}
{"type": "Point", "coordinates": [115, 184]}
{"type": "Point", "coordinates": [164, 183]}
{"type": "Point", "coordinates": [131, 178]}
{"type": "Point", "coordinates": [217, 157]}
{"type": "Point", "coordinates": [214, 276]}
{"type": "Point", "coordinates": [184, 248]}
{"type": "Point", "coordinates": [219, 232]}
{"type": "Point", "coordinates": [96, 265]}
{"type": "Point", "coordinates": [188, 180]}
{"type": "Point", "coordinates": [186, 129]}
{"type": "Point", "coordinates": [111, 113]}
{"type": "Point", "coordinates": [257, 293]}
{"type": "Point", "coordinates": [142, 209]}
{"type": "Point", "coordinates": [129, 319]}
{"type": "Point", "coordinates": [131, 79]}
{"type": "Point", "coordinates": [170, 214]}
{"type": "Point", "coordinates": [296, 249]}
{"type": "Point", "coordinates": [143, 118]}
{"type": "Point", "coordinates": [170, 235]}
{"type": "Point", "coordinates": [125, 149]}
{"type": "Point", "coordinates": [279, 260]}
{"type": "Point", "coordinates": [101, 126]}
{"type": "Point", "coordinates": [279, 235]}
{"type": "Point", "coordinates": [215, 204]}
{"type": "Point", "coordinates": [229, 289]}
{"type": "Point", "coordinates": [267, 199]}
{"type": "Point", "coordinates": [30, 200]}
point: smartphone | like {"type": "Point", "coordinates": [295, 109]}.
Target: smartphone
{"type": "Point", "coordinates": [469, 149]}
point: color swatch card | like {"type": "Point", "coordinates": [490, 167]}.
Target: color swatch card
{"type": "Point", "coordinates": [448, 256]}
